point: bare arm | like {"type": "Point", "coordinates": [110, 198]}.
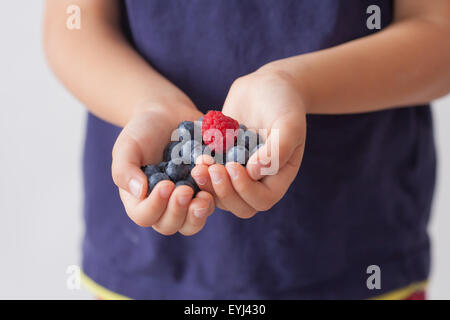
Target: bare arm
{"type": "Point", "coordinates": [101, 69]}
{"type": "Point", "coordinates": [407, 63]}
{"type": "Point", "coordinates": [98, 65]}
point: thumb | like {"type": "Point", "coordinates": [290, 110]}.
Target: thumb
{"type": "Point", "coordinates": [286, 139]}
{"type": "Point", "coordinates": [126, 163]}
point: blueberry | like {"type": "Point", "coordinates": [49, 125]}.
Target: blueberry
{"type": "Point", "coordinates": [186, 130]}
{"type": "Point", "coordinates": [197, 149]}
{"type": "Point", "coordinates": [219, 158]}
{"type": "Point", "coordinates": [198, 131]}
{"type": "Point", "coordinates": [162, 166]}
{"type": "Point", "coordinates": [259, 139]}
{"type": "Point", "coordinates": [198, 125]}
{"type": "Point", "coordinates": [177, 172]}
{"type": "Point", "coordinates": [207, 151]}
{"type": "Point", "coordinates": [256, 148]}
{"type": "Point", "coordinates": [172, 149]}
{"type": "Point", "coordinates": [154, 179]}
{"type": "Point", "coordinates": [190, 151]}
{"type": "Point", "coordinates": [240, 139]}
{"type": "Point", "coordinates": [238, 154]}
{"type": "Point", "coordinates": [169, 151]}
{"type": "Point", "coordinates": [248, 139]}
{"type": "Point", "coordinates": [150, 169]}
{"type": "Point", "coordinates": [185, 183]}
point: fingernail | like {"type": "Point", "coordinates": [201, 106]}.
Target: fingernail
{"type": "Point", "coordinates": [234, 174]}
{"type": "Point", "coordinates": [165, 191]}
{"type": "Point", "coordinates": [216, 178]}
{"type": "Point", "coordinates": [204, 159]}
{"type": "Point", "coordinates": [183, 199]}
{"type": "Point", "coordinates": [200, 212]}
{"type": "Point", "coordinates": [135, 188]}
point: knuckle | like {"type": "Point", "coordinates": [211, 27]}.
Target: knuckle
{"type": "Point", "coordinates": [264, 205]}
{"type": "Point", "coordinates": [114, 151]}
{"type": "Point", "coordinates": [116, 173]}
{"type": "Point", "coordinates": [196, 222]}
{"type": "Point", "coordinates": [237, 82]}
{"type": "Point", "coordinates": [143, 220]}
{"type": "Point", "coordinates": [246, 214]}
{"type": "Point", "coordinates": [140, 221]}
{"type": "Point", "coordinates": [240, 84]}
{"type": "Point", "coordinates": [192, 227]}
{"type": "Point", "coordinates": [165, 231]}
{"type": "Point", "coordinates": [189, 232]}
{"type": "Point", "coordinates": [185, 233]}
{"type": "Point", "coordinates": [115, 178]}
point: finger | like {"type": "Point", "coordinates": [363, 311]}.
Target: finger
{"type": "Point", "coordinates": [175, 214]}
{"type": "Point", "coordinates": [261, 195]}
{"type": "Point", "coordinates": [226, 194]}
{"type": "Point", "coordinates": [125, 167]}
{"type": "Point", "coordinates": [147, 212]}
{"type": "Point", "coordinates": [255, 193]}
{"type": "Point", "coordinates": [287, 135]}
{"type": "Point", "coordinates": [201, 176]}
{"type": "Point", "coordinates": [199, 210]}
{"type": "Point", "coordinates": [286, 174]}
{"type": "Point", "coordinates": [204, 159]}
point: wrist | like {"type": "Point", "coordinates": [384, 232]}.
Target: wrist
{"type": "Point", "coordinates": [168, 109]}
{"type": "Point", "coordinates": [295, 78]}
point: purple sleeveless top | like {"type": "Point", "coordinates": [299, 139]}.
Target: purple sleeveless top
{"type": "Point", "coordinates": [362, 196]}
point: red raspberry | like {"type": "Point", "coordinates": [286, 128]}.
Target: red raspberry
{"type": "Point", "coordinates": [219, 131]}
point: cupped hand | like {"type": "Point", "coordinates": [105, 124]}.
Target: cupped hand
{"type": "Point", "coordinates": [167, 209]}
{"type": "Point", "coordinates": [270, 100]}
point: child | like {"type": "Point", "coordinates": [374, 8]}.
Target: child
{"type": "Point", "coordinates": [351, 223]}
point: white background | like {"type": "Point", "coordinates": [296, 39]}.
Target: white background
{"type": "Point", "coordinates": [41, 136]}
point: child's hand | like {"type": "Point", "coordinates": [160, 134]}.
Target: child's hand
{"type": "Point", "coordinates": [142, 142]}
{"type": "Point", "coordinates": [262, 100]}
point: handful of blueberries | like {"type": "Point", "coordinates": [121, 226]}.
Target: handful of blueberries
{"type": "Point", "coordinates": [215, 135]}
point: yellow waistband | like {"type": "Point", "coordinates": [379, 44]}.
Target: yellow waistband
{"type": "Point", "coordinates": [106, 294]}
{"type": "Point", "coordinates": [99, 291]}
{"type": "Point", "coordinates": [403, 293]}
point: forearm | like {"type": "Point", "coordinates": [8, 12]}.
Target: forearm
{"type": "Point", "coordinates": [97, 64]}
{"type": "Point", "coordinates": [407, 63]}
